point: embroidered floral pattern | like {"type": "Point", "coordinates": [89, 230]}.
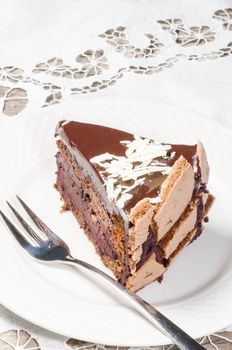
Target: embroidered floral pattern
{"type": "Point", "coordinates": [118, 38]}
{"type": "Point", "coordinates": [54, 66]}
{"type": "Point", "coordinates": [11, 74]}
{"type": "Point", "coordinates": [3, 90]}
{"type": "Point", "coordinates": [223, 52]}
{"type": "Point", "coordinates": [195, 36]}
{"type": "Point", "coordinates": [15, 100]}
{"type": "Point", "coordinates": [150, 70]}
{"type": "Point", "coordinates": [225, 16]}
{"type": "Point", "coordinates": [53, 99]}
{"type": "Point", "coordinates": [99, 85]}
{"type": "Point", "coordinates": [172, 25]}
{"type": "Point", "coordinates": [187, 36]}
{"type": "Point", "coordinates": [21, 339]}
{"type": "Point", "coordinates": [217, 341]}
{"type": "Point", "coordinates": [94, 63]}
{"type": "Point", "coordinates": [17, 340]}
{"type": "Point", "coordinates": [79, 344]}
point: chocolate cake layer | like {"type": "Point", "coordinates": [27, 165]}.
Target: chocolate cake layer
{"type": "Point", "coordinates": [140, 202]}
{"type": "Point", "coordinates": [79, 195]}
{"type": "Point", "coordinates": [80, 201]}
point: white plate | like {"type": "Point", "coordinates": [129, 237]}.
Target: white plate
{"type": "Point", "coordinates": [197, 290]}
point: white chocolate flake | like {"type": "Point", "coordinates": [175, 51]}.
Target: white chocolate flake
{"type": "Point", "coordinates": [102, 158]}
{"type": "Point", "coordinates": [172, 155]}
{"type": "Point", "coordinates": [122, 174]}
{"type": "Point", "coordinates": [155, 200]}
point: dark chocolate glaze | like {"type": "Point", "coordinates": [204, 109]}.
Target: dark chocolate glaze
{"type": "Point", "coordinates": [200, 211]}
{"type": "Point", "coordinates": [142, 191]}
{"type": "Point", "coordinates": [203, 189]}
{"type": "Point", "coordinates": [90, 140]}
{"type": "Point", "coordinates": [188, 152]}
{"type": "Point", "coordinates": [197, 175]}
{"type": "Point", "coordinates": [150, 247]}
{"type": "Point", "coordinates": [200, 216]}
{"type": "Point", "coordinates": [199, 230]}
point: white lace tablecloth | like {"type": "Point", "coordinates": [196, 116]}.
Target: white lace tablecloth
{"type": "Point", "coordinates": [169, 51]}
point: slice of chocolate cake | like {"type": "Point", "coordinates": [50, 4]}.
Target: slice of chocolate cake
{"type": "Point", "coordinates": [139, 202]}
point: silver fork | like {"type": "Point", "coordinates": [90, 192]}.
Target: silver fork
{"type": "Point", "coordinates": [53, 249]}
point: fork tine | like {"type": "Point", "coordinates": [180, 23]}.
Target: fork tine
{"type": "Point", "coordinates": [38, 222]}
{"type": "Point", "coordinates": [16, 233]}
{"type": "Point", "coordinates": [29, 230]}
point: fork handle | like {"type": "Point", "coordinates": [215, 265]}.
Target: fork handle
{"type": "Point", "coordinates": [167, 327]}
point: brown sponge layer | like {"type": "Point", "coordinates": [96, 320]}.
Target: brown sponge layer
{"type": "Point", "coordinates": [105, 231]}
